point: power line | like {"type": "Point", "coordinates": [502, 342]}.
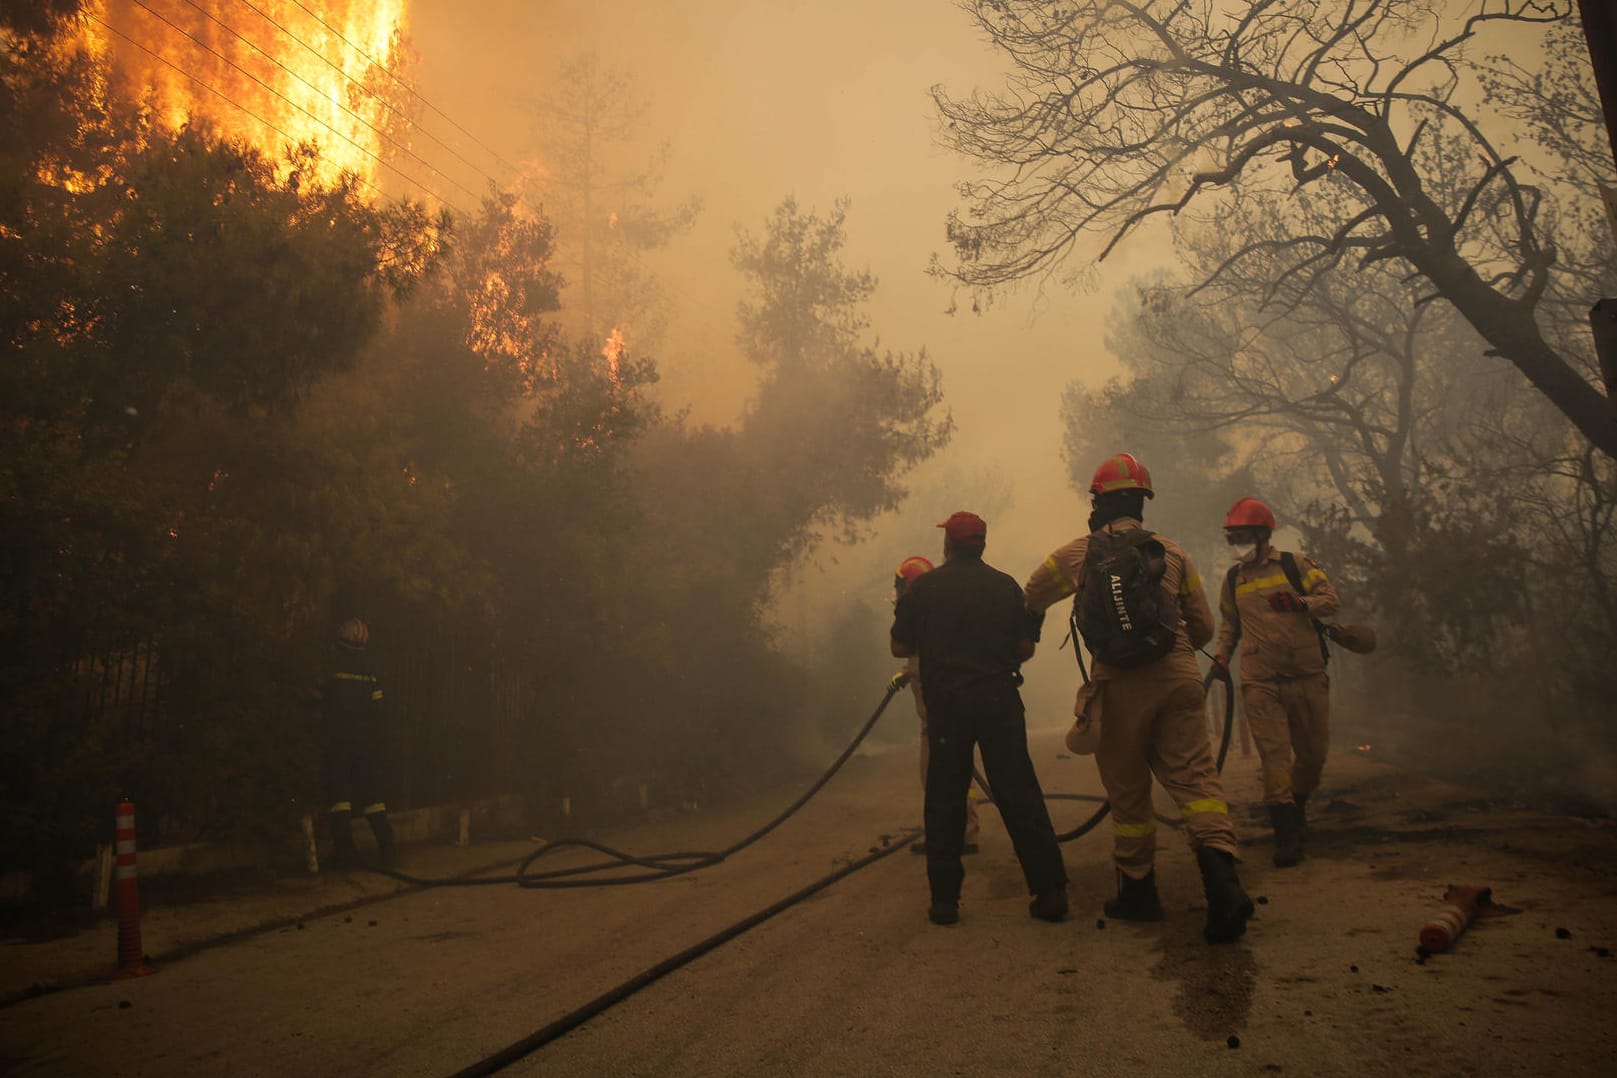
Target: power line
{"type": "Point", "coordinates": [406, 86]}
{"type": "Point", "coordinates": [361, 85]}
{"type": "Point", "coordinates": [379, 132]}
{"type": "Point", "coordinates": [324, 123]}
{"type": "Point", "coordinates": [218, 93]}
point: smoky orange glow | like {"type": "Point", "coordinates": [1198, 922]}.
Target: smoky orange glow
{"type": "Point", "coordinates": [273, 73]}
{"type": "Point", "coordinates": [612, 351]}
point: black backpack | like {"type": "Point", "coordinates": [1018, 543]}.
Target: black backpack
{"type": "Point", "coordinates": [1124, 613]}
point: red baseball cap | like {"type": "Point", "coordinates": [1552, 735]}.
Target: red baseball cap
{"type": "Point", "coordinates": [964, 527]}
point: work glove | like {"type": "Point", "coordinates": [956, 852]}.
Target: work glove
{"type": "Point", "coordinates": [900, 679]}
{"type": "Point", "coordinates": [1221, 667]}
{"type": "Point", "coordinates": [1287, 603]}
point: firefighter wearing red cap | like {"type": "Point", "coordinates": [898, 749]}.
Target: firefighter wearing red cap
{"type": "Point", "coordinates": [966, 623]}
{"type": "Point", "coordinates": [907, 571]}
{"type": "Point", "coordinates": [1273, 603]}
{"type": "Point", "coordinates": [1141, 611]}
{"type": "Point", "coordinates": [351, 706]}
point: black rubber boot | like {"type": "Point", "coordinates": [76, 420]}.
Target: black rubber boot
{"type": "Point", "coordinates": [343, 852]}
{"type": "Point", "coordinates": [383, 830]}
{"type": "Point", "coordinates": [1136, 899]}
{"type": "Point", "coordinates": [1302, 813]}
{"type": "Point", "coordinates": [1049, 905]}
{"type": "Point", "coordinates": [1287, 821]}
{"type": "Point", "coordinates": [1228, 906]}
{"type": "Point", "coordinates": [943, 913]}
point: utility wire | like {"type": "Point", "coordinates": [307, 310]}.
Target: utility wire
{"type": "Point", "coordinates": [213, 90]}
{"type": "Point", "coordinates": [319, 92]}
{"type": "Point", "coordinates": [411, 90]}
{"type": "Point", "coordinates": [324, 123]}
{"type": "Point", "coordinates": [323, 58]}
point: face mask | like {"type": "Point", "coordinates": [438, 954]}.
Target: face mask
{"type": "Point", "coordinates": [1242, 552]}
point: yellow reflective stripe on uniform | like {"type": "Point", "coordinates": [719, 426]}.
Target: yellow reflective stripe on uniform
{"type": "Point", "coordinates": [376, 694]}
{"type": "Point", "coordinates": [1275, 581]}
{"type": "Point", "coordinates": [1312, 580]}
{"type": "Point", "coordinates": [340, 676]}
{"type": "Point", "coordinates": [1134, 830]}
{"type": "Point", "coordinates": [341, 806]}
{"type": "Point", "coordinates": [371, 810]}
{"type": "Point", "coordinates": [1191, 583]}
{"type": "Point", "coordinates": [1206, 804]}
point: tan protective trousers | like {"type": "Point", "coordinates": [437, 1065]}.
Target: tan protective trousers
{"type": "Point", "coordinates": [1156, 726]}
{"type": "Point", "coordinates": [1291, 722]}
{"type": "Point", "coordinates": [972, 825]}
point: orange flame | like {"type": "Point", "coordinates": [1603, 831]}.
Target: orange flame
{"type": "Point", "coordinates": [273, 73]}
{"type": "Point", "coordinates": [612, 352]}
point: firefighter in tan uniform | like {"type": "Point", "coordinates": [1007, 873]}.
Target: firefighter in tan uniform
{"type": "Point", "coordinates": [1149, 711]}
{"type": "Point", "coordinates": [1273, 603]}
{"type": "Point", "coordinates": [907, 571]}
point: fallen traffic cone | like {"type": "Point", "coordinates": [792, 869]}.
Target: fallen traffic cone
{"type": "Point", "coordinates": [131, 958]}
{"type": "Point", "coordinates": [1461, 906]}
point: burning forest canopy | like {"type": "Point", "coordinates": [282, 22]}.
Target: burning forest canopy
{"type": "Point", "coordinates": [250, 396]}
{"type": "Point", "coordinates": [273, 72]}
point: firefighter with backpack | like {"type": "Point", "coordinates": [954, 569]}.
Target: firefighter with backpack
{"type": "Point", "coordinates": [1141, 612]}
{"type": "Point", "coordinates": [1274, 604]}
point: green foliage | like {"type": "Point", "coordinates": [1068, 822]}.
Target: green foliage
{"type": "Point", "coordinates": [168, 298]}
{"type": "Point", "coordinates": [246, 403]}
{"type": "Point", "coordinates": [839, 417]}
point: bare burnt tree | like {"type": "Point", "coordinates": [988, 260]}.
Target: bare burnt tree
{"type": "Point", "coordinates": [1343, 374]}
{"type": "Point", "coordinates": [1119, 111]}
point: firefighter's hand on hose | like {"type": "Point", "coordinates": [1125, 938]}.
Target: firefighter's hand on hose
{"type": "Point", "coordinates": [900, 679]}
{"type": "Point", "coordinates": [1221, 667]}
{"type": "Point", "coordinates": [1287, 603]}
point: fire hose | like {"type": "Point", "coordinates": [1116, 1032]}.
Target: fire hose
{"type": "Point", "coordinates": [662, 866]}
{"type": "Point", "coordinates": [665, 865]}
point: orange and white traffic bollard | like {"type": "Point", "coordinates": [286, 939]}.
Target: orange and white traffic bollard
{"type": "Point", "coordinates": [131, 958]}
{"type": "Point", "coordinates": [1461, 906]}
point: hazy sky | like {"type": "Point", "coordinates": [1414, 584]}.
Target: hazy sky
{"type": "Point", "coordinates": [818, 100]}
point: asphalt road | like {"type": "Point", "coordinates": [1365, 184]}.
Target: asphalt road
{"type": "Point", "coordinates": [856, 981]}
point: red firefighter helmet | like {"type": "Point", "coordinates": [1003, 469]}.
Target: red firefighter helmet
{"type": "Point", "coordinates": [1121, 472]}
{"type": "Point", "coordinates": [910, 568]}
{"type": "Point", "coordinates": [353, 634]}
{"type": "Point", "coordinates": [1250, 513]}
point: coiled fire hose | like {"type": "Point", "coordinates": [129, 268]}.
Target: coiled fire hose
{"type": "Point", "coordinates": [659, 866]}
{"type": "Point", "coordinates": [662, 866]}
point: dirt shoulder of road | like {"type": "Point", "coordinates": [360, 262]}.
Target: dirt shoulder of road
{"type": "Point", "coordinates": [1378, 821]}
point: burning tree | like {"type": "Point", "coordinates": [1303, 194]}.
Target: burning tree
{"type": "Point", "coordinates": [603, 199]}
{"type": "Point", "coordinates": [1119, 111]}
{"type": "Point", "coordinates": [170, 298]}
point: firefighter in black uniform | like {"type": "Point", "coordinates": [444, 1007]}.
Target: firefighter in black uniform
{"type": "Point", "coordinates": [966, 621]}
{"type": "Point", "coordinates": [351, 710]}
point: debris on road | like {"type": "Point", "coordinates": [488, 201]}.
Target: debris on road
{"type": "Point", "coordinates": [1461, 906]}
